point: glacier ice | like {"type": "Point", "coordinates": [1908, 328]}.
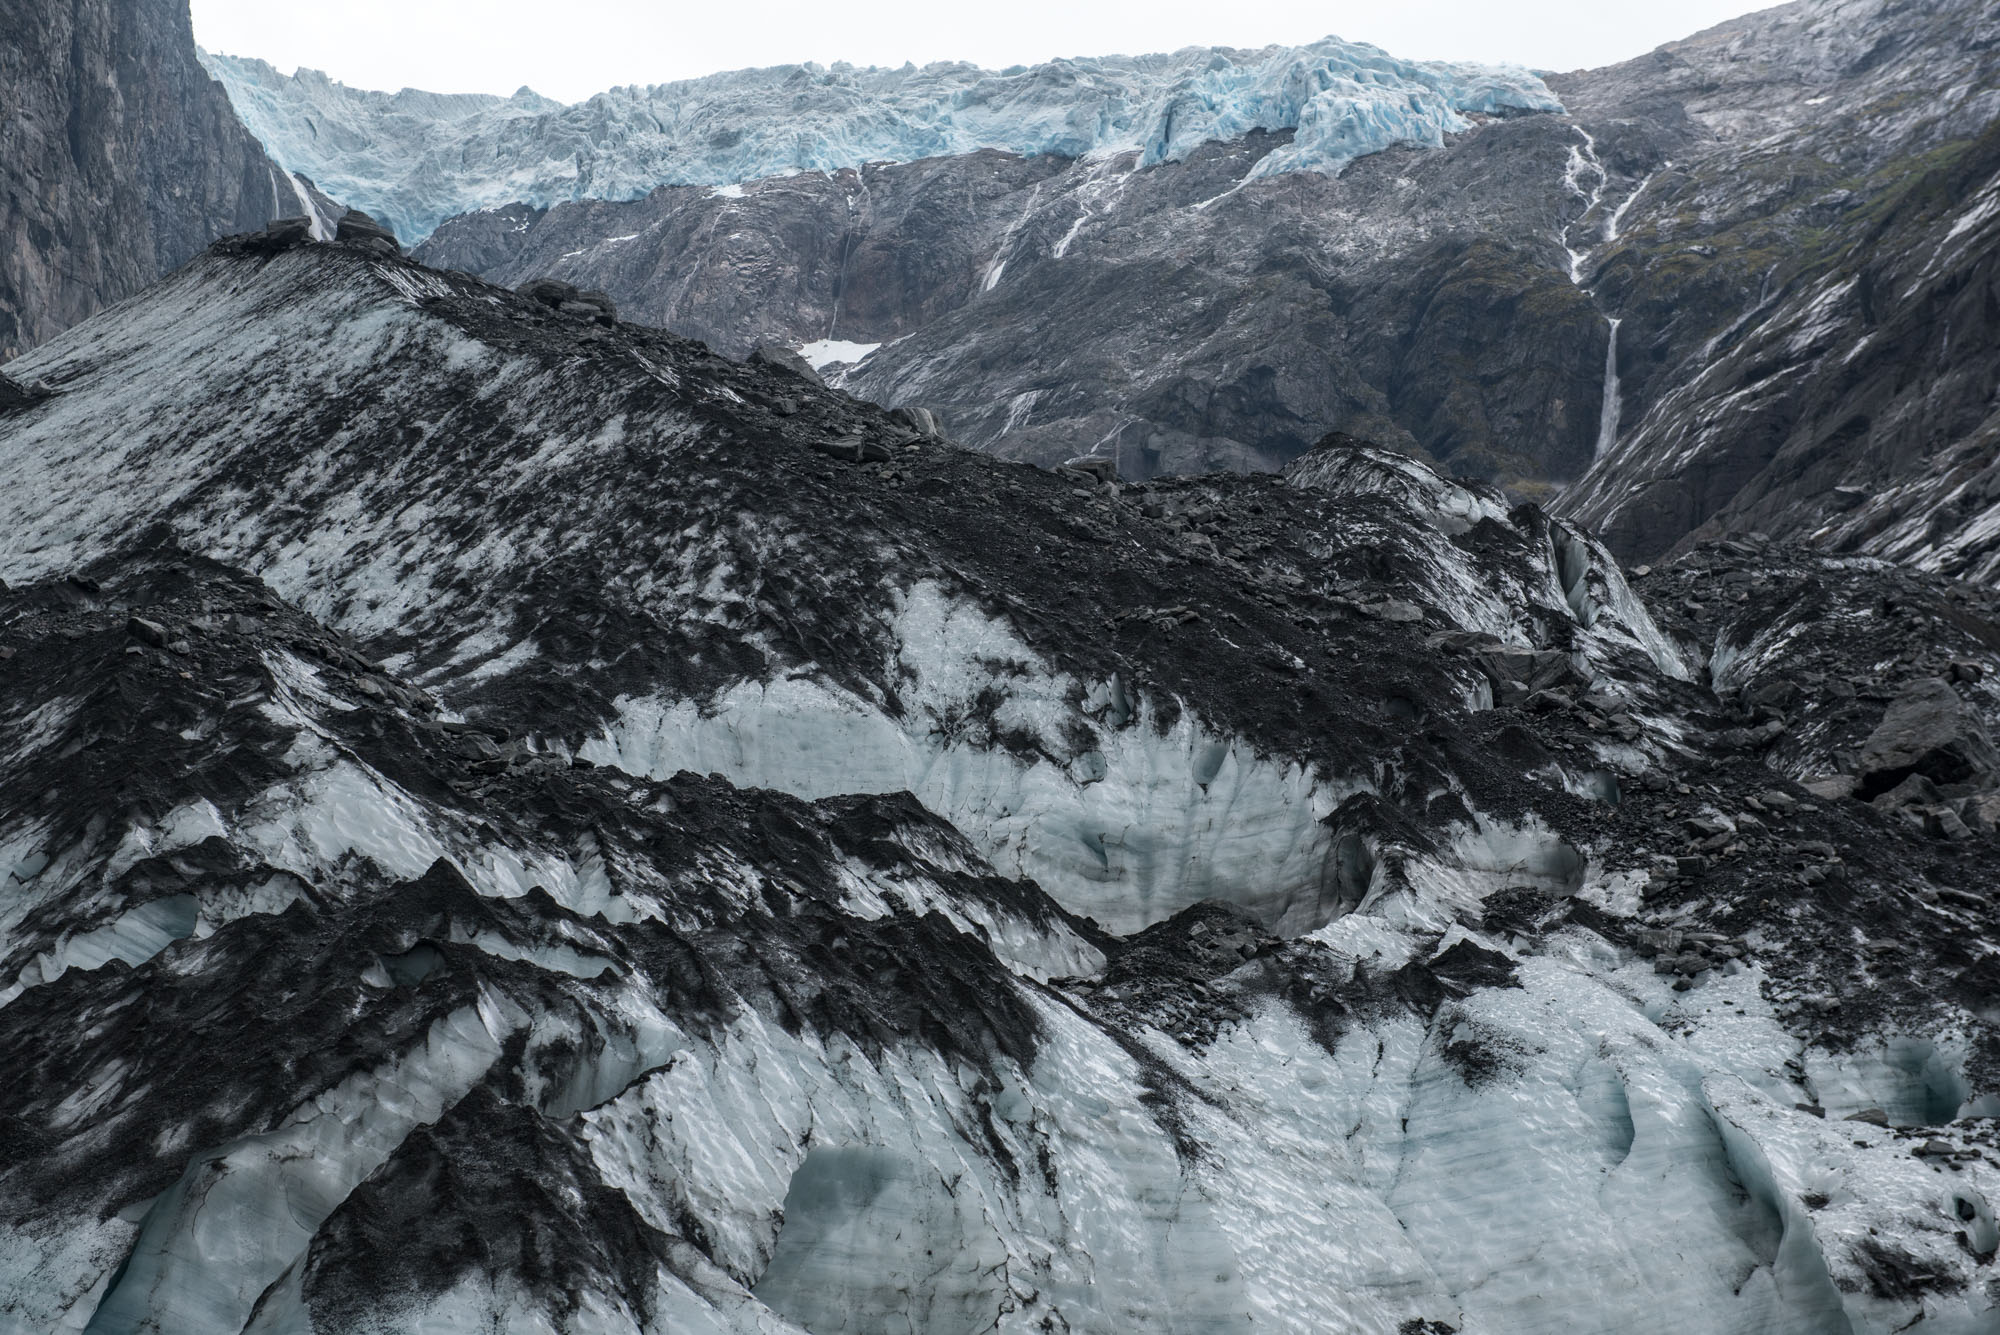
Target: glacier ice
{"type": "Point", "coordinates": [414, 159]}
{"type": "Point", "coordinates": [730, 1014]}
{"type": "Point", "coordinates": [1160, 817]}
{"type": "Point", "coordinates": [240, 1214]}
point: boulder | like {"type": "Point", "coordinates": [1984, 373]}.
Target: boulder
{"type": "Point", "coordinates": [565, 297]}
{"type": "Point", "coordinates": [1771, 692]}
{"type": "Point", "coordinates": [493, 731]}
{"type": "Point", "coordinates": [921, 420]}
{"type": "Point", "coordinates": [767, 354]}
{"type": "Point", "coordinates": [15, 396]}
{"type": "Point", "coordinates": [356, 228]}
{"type": "Point", "coordinates": [279, 234]}
{"type": "Point", "coordinates": [1464, 641]}
{"type": "Point", "coordinates": [1915, 790]}
{"type": "Point", "coordinates": [1517, 672]}
{"type": "Point", "coordinates": [1832, 787]}
{"type": "Point", "coordinates": [854, 450]}
{"type": "Point", "coordinates": [147, 632]}
{"type": "Point", "coordinates": [1942, 822]}
{"type": "Point", "coordinates": [1094, 465]}
{"type": "Point", "coordinates": [548, 291]}
{"type": "Point", "coordinates": [1928, 730]}
{"type": "Point", "coordinates": [1748, 739]}
{"type": "Point", "coordinates": [477, 746]}
{"type": "Point", "coordinates": [1981, 812]}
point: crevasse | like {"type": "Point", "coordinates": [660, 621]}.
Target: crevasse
{"type": "Point", "coordinates": [414, 159]}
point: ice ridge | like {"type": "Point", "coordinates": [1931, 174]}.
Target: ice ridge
{"type": "Point", "coordinates": [414, 158]}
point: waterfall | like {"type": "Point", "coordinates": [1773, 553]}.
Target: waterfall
{"type": "Point", "coordinates": [1607, 418]}
{"type": "Point", "coordinates": [1618, 214]}
{"type": "Point", "coordinates": [1584, 165]}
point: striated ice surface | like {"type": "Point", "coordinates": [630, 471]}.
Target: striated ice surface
{"type": "Point", "coordinates": [1153, 820]}
{"type": "Point", "coordinates": [414, 159]}
{"type": "Point", "coordinates": [240, 1214]}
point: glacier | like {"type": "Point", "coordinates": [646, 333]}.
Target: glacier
{"type": "Point", "coordinates": [414, 158]}
{"type": "Point", "coordinates": [751, 890]}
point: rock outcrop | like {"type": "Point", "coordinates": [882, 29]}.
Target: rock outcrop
{"type": "Point", "coordinates": [358, 229]}
{"type": "Point", "coordinates": [1049, 308]}
{"type": "Point", "coordinates": [119, 159]}
{"type": "Point", "coordinates": [1930, 732]}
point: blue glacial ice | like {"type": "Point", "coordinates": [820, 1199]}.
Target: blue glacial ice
{"type": "Point", "coordinates": [414, 159]}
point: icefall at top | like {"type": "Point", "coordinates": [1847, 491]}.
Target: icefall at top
{"type": "Point", "coordinates": [415, 158]}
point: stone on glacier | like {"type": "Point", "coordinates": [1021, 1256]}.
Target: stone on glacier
{"type": "Point", "coordinates": [413, 159]}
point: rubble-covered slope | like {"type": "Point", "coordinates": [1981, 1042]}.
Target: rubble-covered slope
{"type": "Point", "coordinates": [516, 820]}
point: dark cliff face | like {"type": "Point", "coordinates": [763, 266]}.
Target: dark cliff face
{"type": "Point", "coordinates": [119, 159]}
{"type": "Point", "coordinates": [1785, 214]}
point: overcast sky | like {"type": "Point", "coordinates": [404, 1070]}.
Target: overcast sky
{"type": "Point", "coordinates": [569, 49]}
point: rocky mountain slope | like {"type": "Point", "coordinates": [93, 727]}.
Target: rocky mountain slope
{"type": "Point", "coordinates": [119, 159]}
{"type": "Point", "coordinates": [1812, 308]}
{"type": "Point", "coordinates": [1049, 308]}
{"type": "Point", "coordinates": [1752, 270]}
{"type": "Point", "coordinates": [516, 820]}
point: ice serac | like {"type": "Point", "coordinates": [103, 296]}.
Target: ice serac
{"type": "Point", "coordinates": [1338, 900]}
{"type": "Point", "coordinates": [415, 159]}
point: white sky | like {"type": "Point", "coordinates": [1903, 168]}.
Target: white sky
{"type": "Point", "coordinates": [569, 49]}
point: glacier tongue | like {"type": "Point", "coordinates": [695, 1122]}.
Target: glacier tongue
{"type": "Point", "coordinates": [376, 961]}
{"type": "Point", "coordinates": [414, 159]}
